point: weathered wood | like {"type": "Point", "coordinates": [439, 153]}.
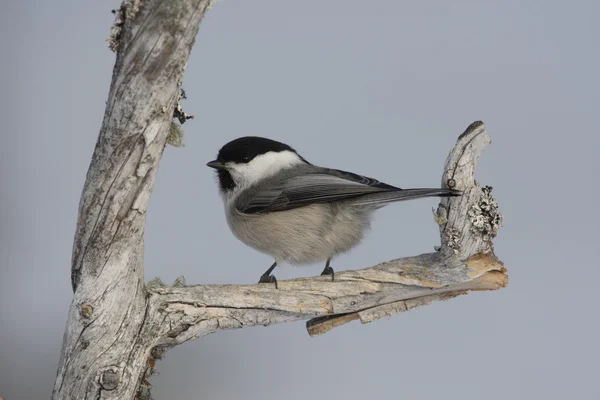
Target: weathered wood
{"type": "Point", "coordinates": [195, 311]}
{"type": "Point", "coordinates": [117, 326]}
{"type": "Point", "coordinates": [465, 261]}
{"type": "Point", "coordinates": [106, 342]}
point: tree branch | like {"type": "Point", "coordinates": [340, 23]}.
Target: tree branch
{"type": "Point", "coordinates": [465, 261]}
{"type": "Point", "coordinates": [117, 326]}
{"type": "Point", "coordinates": [104, 351]}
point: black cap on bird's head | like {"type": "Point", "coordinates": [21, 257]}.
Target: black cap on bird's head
{"type": "Point", "coordinates": [242, 151]}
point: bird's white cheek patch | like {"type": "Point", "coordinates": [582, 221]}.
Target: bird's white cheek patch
{"type": "Point", "coordinates": [262, 166]}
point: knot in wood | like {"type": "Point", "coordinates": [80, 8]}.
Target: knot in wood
{"type": "Point", "coordinates": [109, 380]}
{"type": "Point", "coordinates": [86, 310]}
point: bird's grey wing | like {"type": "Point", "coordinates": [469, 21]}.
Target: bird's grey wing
{"type": "Point", "coordinates": [321, 186]}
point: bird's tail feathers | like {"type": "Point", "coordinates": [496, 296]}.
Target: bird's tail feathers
{"type": "Point", "coordinates": [383, 198]}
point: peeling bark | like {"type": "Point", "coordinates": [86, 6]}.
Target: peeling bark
{"type": "Point", "coordinates": [117, 326]}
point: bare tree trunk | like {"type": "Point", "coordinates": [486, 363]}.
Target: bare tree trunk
{"type": "Point", "coordinates": [104, 355]}
{"type": "Point", "coordinates": [117, 326]}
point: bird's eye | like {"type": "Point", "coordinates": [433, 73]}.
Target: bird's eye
{"type": "Point", "coordinates": [246, 158]}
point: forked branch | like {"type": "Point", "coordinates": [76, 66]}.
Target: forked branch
{"type": "Point", "coordinates": [465, 261]}
{"type": "Point", "coordinates": [117, 326]}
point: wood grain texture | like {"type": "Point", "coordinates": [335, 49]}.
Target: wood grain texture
{"type": "Point", "coordinates": [466, 263]}
{"type": "Point", "coordinates": [103, 354]}
{"type": "Point", "coordinates": [117, 326]}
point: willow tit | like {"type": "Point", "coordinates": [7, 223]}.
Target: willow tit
{"type": "Point", "coordinates": [280, 204]}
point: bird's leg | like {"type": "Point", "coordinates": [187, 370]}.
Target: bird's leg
{"type": "Point", "coordinates": [267, 277]}
{"type": "Point", "coordinates": [328, 270]}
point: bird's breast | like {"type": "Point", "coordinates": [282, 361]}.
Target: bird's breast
{"type": "Point", "coordinates": [299, 236]}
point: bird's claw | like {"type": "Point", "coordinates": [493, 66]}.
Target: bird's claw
{"type": "Point", "coordinates": [329, 271]}
{"type": "Point", "coordinates": [268, 279]}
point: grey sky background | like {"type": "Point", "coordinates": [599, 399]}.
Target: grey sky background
{"type": "Point", "coordinates": [380, 88]}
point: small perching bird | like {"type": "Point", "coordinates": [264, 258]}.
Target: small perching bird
{"type": "Point", "coordinates": [298, 213]}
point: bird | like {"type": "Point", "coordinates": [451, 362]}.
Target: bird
{"type": "Point", "coordinates": [280, 204]}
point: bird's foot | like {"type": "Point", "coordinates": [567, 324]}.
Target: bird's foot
{"type": "Point", "coordinates": [329, 271]}
{"type": "Point", "coordinates": [268, 279]}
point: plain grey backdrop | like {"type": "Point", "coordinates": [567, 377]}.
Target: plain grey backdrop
{"type": "Point", "coordinates": [381, 88]}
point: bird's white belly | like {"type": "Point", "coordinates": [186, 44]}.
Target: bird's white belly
{"type": "Point", "coordinates": [300, 236]}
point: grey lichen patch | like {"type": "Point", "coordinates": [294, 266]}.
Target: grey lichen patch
{"type": "Point", "coordinates": [180, 77]}
{"type": "Point", "coordinates": [132, 8]}
{"type": "Point", "coordinates": [439, 219]}
{"type": "Point", "coordinates": [175, 136]}
{"type": "Point", "coordinates": [179, 282]}
{"type": "Point", "coordinates": [117, 27]}
{"type": "Point", "coordinates": [484, 216]}
{"type": "Point", "coordinates": [156, 282]}
{"type": "Point", "coordinates": [452, 237]}
{"type": "Point", "coordinates": [127, 11]}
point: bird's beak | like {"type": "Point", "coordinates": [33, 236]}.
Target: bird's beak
{"type": "Point", "coordinates": [216, 164]}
